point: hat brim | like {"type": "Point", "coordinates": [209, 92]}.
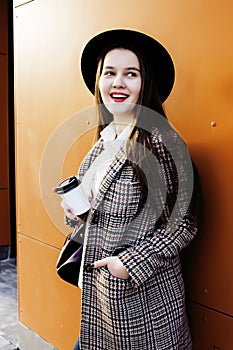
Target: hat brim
{"type": "Point", "coordinates": [160, 59]}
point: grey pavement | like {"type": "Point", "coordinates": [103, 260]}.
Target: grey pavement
{"type": "Point", "coordinates": [8, 305]}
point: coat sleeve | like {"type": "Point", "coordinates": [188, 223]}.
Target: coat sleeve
{"type": "Point", "coordinates": [178, 223]}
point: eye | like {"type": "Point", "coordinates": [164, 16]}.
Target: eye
{"type": "Point", "coordinates": [132, 74]}
{"type": "Point", "coordinates": [108, 73]}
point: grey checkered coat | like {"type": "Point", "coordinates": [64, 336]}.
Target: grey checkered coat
{"type": "Point", "coordinates": [147, 311]}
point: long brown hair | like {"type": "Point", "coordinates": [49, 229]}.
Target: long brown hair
{"type": "Point", "coordinates": [144, 123]}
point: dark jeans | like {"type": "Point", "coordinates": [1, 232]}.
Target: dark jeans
{"type": "Point", "coordinates": [77, 345]}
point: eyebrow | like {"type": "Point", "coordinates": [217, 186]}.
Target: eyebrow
{"type": "Point", "coordinates": [128, 68]}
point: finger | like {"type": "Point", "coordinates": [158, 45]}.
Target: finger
{"type": "Point", "coordinates": [90, 197]}
{"type": "Point", "coordinates": [69, 211]}
{"type": "Point", "coordinates": [100, 263]}
{"type": "Point", "coordinates": [65, 206]}
{"type": "Point", "coordinates": [72, 217]}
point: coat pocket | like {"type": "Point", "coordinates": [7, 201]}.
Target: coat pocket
{"type": "Point", "coordinates": [110, 287]}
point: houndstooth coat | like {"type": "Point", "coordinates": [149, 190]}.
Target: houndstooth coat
{"type": "Point", "coordinates": [147, 311]}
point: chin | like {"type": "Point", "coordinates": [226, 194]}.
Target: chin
{"type": "Point", "coordinates": [120, 109]}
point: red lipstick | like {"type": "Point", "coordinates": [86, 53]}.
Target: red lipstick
{"type": "Point", "coordinates": [119, 96]}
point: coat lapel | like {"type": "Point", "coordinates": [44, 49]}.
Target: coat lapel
{"type": "Point", "coordinates": [114, 168]}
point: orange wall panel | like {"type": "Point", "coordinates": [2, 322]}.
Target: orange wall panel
{"type": "Point", "coordinates": [211, 330]}
{"type": "Point", "coordinates": [209, 260]}
{"type": "Point", "coordinates": [47, 305]}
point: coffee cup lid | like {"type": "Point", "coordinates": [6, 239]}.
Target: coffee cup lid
{"type": "Point", "coordinates": [67, 185]}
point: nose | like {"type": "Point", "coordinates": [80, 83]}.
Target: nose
{"type": "Point", "coordinates": [118, 81]}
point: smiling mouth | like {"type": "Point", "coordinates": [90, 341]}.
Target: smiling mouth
{"type": "Point", "coordinates": [118, 97]}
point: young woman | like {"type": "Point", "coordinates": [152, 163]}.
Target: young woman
{"type": "Point", "coordinates": [144, 209]}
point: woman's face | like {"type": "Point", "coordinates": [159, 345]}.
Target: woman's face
{"type": "Point", "coordinates": [120, 81]}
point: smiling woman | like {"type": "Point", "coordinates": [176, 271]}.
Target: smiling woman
{"type": "Point", "coordinates": [142, 210]}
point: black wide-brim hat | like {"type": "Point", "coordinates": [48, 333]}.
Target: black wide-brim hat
{"type": "Point", "coordinates": [161, 61]}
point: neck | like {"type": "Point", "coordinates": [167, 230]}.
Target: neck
{"type": "Point", "coordinates": [122, 121]}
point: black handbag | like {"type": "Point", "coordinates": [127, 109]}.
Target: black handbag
{"type": "Point", "coordinates": [70, 257]}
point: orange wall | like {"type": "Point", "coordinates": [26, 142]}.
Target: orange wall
{"type": "Point", "coordinates": [49, 36]}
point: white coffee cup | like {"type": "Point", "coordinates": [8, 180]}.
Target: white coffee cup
{"type": "Point", "coordinates": [72, 192]}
